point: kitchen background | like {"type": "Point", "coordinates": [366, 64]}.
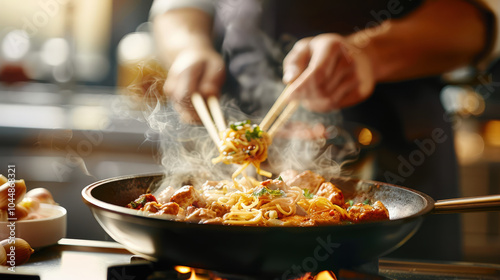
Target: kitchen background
{"type": "Point", "coordinates": [65, 120]}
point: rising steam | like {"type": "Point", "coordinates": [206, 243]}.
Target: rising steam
{"type": "Point", "coordinates": [308, 142]}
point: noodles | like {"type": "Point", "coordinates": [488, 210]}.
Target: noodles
{"type": "Point", "coordinates": [250, 217]}
{"type": "Point", "coordinates": [244, 144]}
{"type": "Point", "coordinates": [266, 203]}
{"type": "Point", "coordinates": [320, 204]}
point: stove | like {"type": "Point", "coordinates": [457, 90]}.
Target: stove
{"type": "Point", "coordinates": [103, 260]}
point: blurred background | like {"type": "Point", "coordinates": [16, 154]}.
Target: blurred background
{"type": "Point", "coordinates": [65, 122]}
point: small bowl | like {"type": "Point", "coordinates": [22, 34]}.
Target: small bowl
{"type": "Point", "coordinates": [39, 232]}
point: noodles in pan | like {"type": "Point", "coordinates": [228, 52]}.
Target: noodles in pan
{"type": "Point", "coordinates": [293, 199]}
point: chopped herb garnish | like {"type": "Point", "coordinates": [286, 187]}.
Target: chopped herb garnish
{"type": "Point", "coordinates": [141, 201]}
{"type": "Point", "coordinates": [247, 135]}
{"type": "Point", "coordinates": [367, 201]}
{"type": "Point", "coordinates": [263, 191]}
{"type": "Point", "coordinates": [132, 205]}
{"type": "Point", "coordinates": [307, 194]}
{"type": "Point", "coordinates": [351, 203]}
{"type": "Point", "coordinates": [279, 178]}
{"type": "Point", "coordinates": [254, 134]}
{"type": "Point", "coordinates": [234, 126]}
{"type": "Point", "coordinates": [259, 192]}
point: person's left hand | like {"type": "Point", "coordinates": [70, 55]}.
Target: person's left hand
{"type": "Point", "coordinates": [327, 73]}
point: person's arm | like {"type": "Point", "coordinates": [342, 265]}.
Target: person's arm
{"type": "Point", "coordinates": [185, 48]}
{"type": "Point", "coordinates": [330, 71]}
{"type": "Point", "coordinates": [440, 36]}
{"type": "Point", "coordinates": [180, 29]}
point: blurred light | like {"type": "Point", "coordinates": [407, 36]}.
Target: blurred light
{"type": "Point", "coordinates": [89, 117]}
{"type": "Point", "coordinates": [462, 100]}
{"type": "Point", "coordinates": [450, 98]}
{"type": "Point", "coordinates": [461, 74]}
{"type": "Point", "coordinates": [182, 269]}
{"type": "Point", "coordinates": [472, 103]}
{"type": "Point", "coordinates": [469, 146]}
{"type": "Point", "coordinates": [55, 51]}
{"type": "Point", "coordinates": [325, 275]}
{"type": "Point", "coordinates": [365, 136]}
{"type": "Point", "coordinates": [62, 73]}
{"type": "Point", "coordinates": [28, 116]}
{"type": "Point", "coordinates": [492, 133]}
{"type": "Point", "coordinates": [15, 45]}
{"type": "Point", "coordinates": [193, 276]}
{"type": "Point", "coordinates": [135, 46]}
{"type": "Point", "coordinates": [91, 66]}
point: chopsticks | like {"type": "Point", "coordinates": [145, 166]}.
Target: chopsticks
{"type": "Point", "coordinates": [283, 117]}
{"type": "Point", "coordinates": [206, 117]}
{"type": "Point", "coordinates": [279, 113]}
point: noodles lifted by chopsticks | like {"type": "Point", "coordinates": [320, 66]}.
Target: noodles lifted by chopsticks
{"type": "Point", "coordinates": [244, 143]}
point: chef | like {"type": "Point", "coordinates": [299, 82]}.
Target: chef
{"type": "Point", "coordinates": [374, 62]}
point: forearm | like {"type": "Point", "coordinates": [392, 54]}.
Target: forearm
{"type": "Point", "coordinates": [439, 37]}
{"type": "Point", "coordinates": [180, 29]}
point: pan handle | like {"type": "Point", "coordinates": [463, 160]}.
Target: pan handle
{"type": "Point", "coordinates": [468, 204]}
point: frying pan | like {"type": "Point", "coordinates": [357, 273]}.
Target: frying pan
{"type": "Point", "coordinates": [267, 251]}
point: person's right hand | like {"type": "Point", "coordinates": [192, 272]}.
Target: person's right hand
{"type": "Point", "coordinates": [195, 69]}
{"type": "Point", "coordinates": [327, 72]}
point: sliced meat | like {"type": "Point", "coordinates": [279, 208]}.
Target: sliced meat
{"type": "Point", "coordinates": [200, 214]}
{"type": "Point", "coordinates": [219, 209]}
{"type": "Point", "coordinates": [275, 185]}
{"type": "Point", "coordinates": [297, 221]}
{"type": "Point", "coordinates": [360, 212]}
{"type": "Point", "coordinates": [307, 180]}
{"type": "Point", "coordinates": [187, 196]}
{"type": "Point", "coordinates": [331, 192]}
{"type": "Point", "coordinates": [314, 219]}
{"type": "Point", "coordinates": [151, 207]}
{"type": "Point", "coordinates": [214, 221]}
{"type": "Point", "coordinates": [165, 195]}
{"type": "Point", "coordinates": [170, 208]}
{"type": "Point", "coordinates": [288, 175]}
{"type": "Point", "coordinates": [326, 217]}
{"type": "Point", "coordinates": [189, 210]}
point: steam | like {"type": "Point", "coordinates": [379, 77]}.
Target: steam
{"type": "Point", "coordinates": [309, 142]}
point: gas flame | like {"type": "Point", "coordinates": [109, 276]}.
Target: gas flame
{"type": "Point", "coordinates": [182, 269]}
{"type": "Point", "coordinates": [193, 276]}
{"type": "Point", "coordinates": [196, 275]}
{"type": "Point", "coordinates": [325, 275]}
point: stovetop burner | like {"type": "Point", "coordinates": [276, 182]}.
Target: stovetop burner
{"type": "Point", "coordinates": [139, 269]}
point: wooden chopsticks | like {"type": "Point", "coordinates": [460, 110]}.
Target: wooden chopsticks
{"type": "Point", "coordinates": [279, 113]}
{"type": "Point", "coordinates": [206, 117]}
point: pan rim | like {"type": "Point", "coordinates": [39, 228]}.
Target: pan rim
{"type": "Point", "coordinates": [93, 202]}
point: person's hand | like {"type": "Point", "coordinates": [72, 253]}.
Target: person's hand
{"type": "Point", "coordinates": [197, 69]}
{"type": "Point", "coordinates": [327, 73]}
